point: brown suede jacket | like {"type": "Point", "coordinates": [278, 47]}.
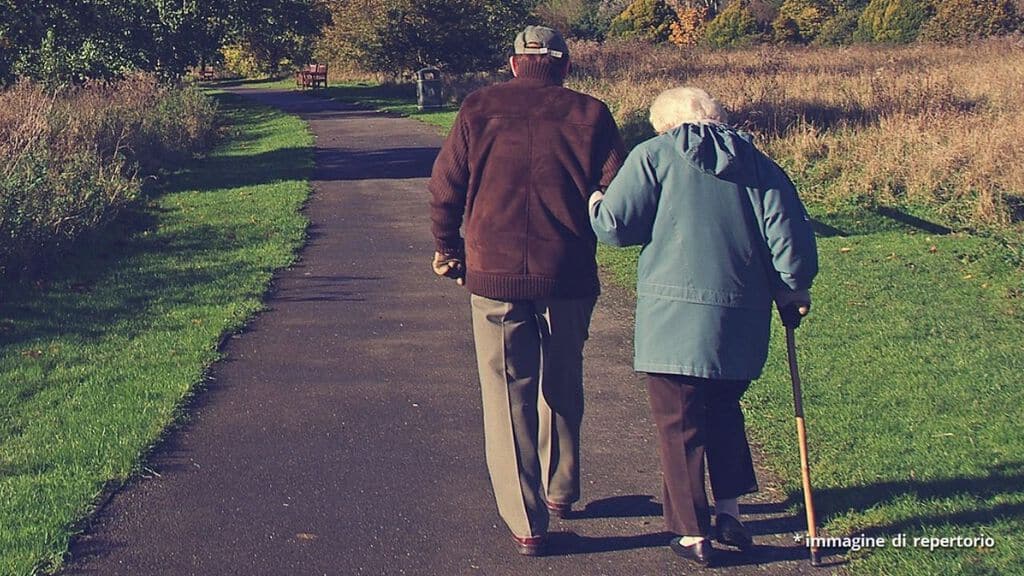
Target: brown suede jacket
{"type": "Point", "coordinates": [518, 166]}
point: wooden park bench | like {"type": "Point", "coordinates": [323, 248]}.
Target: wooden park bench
{"type": "Point", "coordinates": [312, 76]}
{"type": "Point", "coordinates": [206, 73]}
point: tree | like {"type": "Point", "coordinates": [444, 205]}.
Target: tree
{"type": "Point", "coordinates": [895, 21]}
{"type": "Point", "coordinates": [839, 28]}
{"type": "Point", "coordinates": [20, 26]}
{"type": "Point", "coordinates": [277, 30]}
{"type": "Point", "coordinates": [734, 26]}
{"type": "Point", "coordinates": [585, 19]}
{"type": "Point", "coordinates": [61, 41]}
{"type": "Point", "coordinates": [688, 28]}
{"type": "Point", "coordinates": [649, 20]}
{"type": "Point", "coordinates": [400, 36]}
{"type": "Point", "coordinates": [804, 17]}
{"type": "Point", "coordinates": [190, 32]}
{"type": "Point", "coordinates": [965, 20]}
{"type": "Point", "coordinates": [785, 29]}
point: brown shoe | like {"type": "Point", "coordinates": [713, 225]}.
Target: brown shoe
{"type": "Point", "coordinates": [531, 545]}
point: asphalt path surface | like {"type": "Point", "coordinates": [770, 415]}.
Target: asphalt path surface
{"type": "Point", "coordinates": [342, 432]}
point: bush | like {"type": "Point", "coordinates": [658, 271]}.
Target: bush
{"type": "Point", "coordinates": [649, 20]}
{"type": "Point", "coordinates": [593, 25]}
{"type": "Point", "coordinates": [838, 29]}
{"type": "Point", "coordinates": [689, 27]}
{"type": "Point", "coordinates": [582, 19]}
{"type": "Point", "coordinates": [734, 26]}
{"type": "Point", "coordinates": [786, 30]}
{"type": "Point", "coordinates": [240, 61]}
{"type": "Point", "coordinates": [800, 20]}
{"type": "Point", "coordinates": [966, 20]}
{"type": "Point", "coordinates": [897, 21]}
{"type": "Point", "coordinates": [70, 161]}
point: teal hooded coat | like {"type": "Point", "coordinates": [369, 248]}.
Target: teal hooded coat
{"type": "Point", "coordinates": [722, 231]}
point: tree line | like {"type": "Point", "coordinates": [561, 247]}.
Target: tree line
{"type": "Point", "coordinates": [470, 35]}
{"type": "Point", "coordinates": [726, 23]}
{"type": "Point", "coordinates": [62, 41]}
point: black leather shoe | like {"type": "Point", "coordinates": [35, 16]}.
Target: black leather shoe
{"type": "Point", "coordinates": [732, 532]}
{"type": "Point", "coordinates": [702, 552]}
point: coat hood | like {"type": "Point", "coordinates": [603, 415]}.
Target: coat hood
{"type": "Point", "coordinates": [715, 148]}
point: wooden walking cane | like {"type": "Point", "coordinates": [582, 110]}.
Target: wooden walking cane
{"type": "Point", "coordinates": [801, 435]}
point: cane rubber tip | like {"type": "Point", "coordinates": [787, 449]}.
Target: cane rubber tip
{"type": "Point", "coordinates": [815, 558]}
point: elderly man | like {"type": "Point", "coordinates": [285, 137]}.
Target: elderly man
{"type": "Point", "coordinates": [516, 171]}
{"type": "Point", "coordinates": [724, 233]}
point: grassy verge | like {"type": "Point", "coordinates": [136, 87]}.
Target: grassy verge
{"type": "Point", "coordinates": [910, 364]}
{"type": "Point", "coordinates": [96, 362]}
{"type": "Point", "coordinates": [70, 160]}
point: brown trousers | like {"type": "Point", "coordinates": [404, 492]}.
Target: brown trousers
{"type": "Point", "coordinates": [530, 358]}
{"type": "Point", "coordinates": [698, 417]}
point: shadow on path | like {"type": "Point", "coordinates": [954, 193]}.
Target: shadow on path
{"type": "Point", "coordinates": [336, 164]}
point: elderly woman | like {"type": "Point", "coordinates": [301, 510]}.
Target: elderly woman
{"type": "Point", "coordinates": [723, 235]}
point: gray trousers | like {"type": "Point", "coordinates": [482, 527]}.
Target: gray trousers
{"type": "Point", "coordinates": [530, 358]}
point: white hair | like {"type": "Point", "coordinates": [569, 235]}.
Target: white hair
{"type": "Point", "coordinates": [683, 105]}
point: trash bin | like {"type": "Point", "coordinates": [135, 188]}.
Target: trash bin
{"type": "Point", "coordinates": [428, 88]}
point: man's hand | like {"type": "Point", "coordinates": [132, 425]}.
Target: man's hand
{"type": "Point", "coordinates": [450, 266]}
{"type": "Point", "coordinates": [793, 305]}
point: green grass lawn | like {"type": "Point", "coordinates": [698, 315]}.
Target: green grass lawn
{"type": "Point", "coordinates": [96, 361]}
{"type": "Point", "coordinates": [911, 364]}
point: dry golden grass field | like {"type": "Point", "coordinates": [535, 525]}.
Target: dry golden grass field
{"type": "Point", "coordinates": [861, 126]}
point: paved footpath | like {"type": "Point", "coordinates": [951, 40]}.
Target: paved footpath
{"type": "Point", "coordinates": [342, 433]}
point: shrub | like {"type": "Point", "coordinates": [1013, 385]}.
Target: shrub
{"type": "Point", "coordinates": [583, 19]}
{"type": "Point", "coordinates": [240, 61]}
{"type": "Point", "coordinates": [71, 160]}
{"type": "Point", "coordinates": [965, 20]}
{"type": "Point", "coordinates": [838, 29]}
{"type": "Point", "coordinates": [593, 25]}
{"type": "Point", "coordinates": [763, 11]}
{"type": "Point", "coordinates": [805, 16]}
{"type": "Point", "coordinates": [897, 21]}
{"type": "Point", "coordinates": [785, 29]}
{"type": "Point", "coordinates": [649, 20]}
{"type": "Point", "coordinates": [734, 26]}
{"type": "Point", "coordinates": [689, 27]}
